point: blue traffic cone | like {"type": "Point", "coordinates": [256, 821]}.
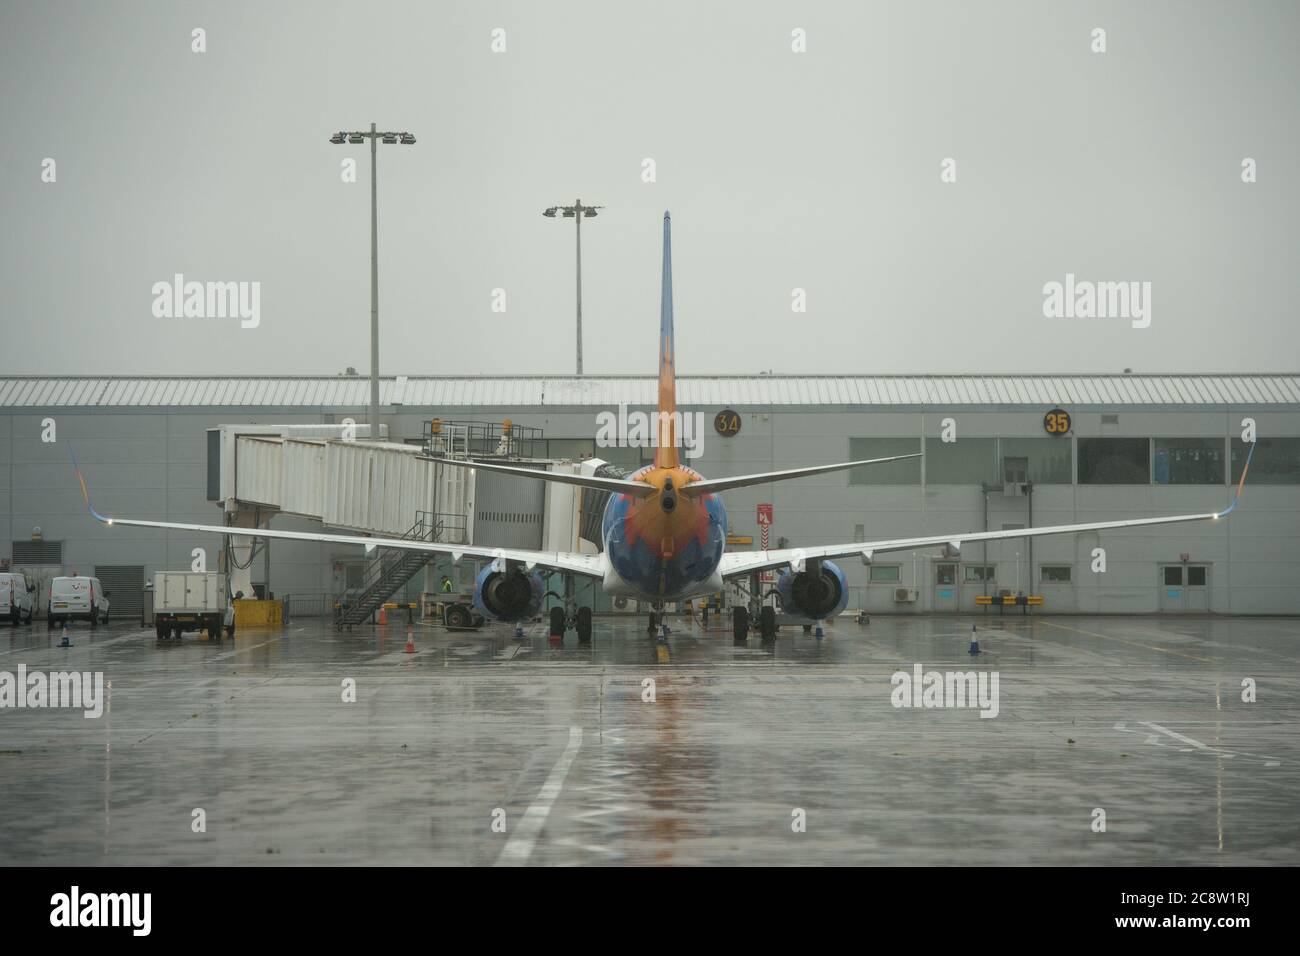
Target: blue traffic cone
{"type": "Point", "coordinates": [519, 632]}
{"type": "Point", "coordinates": [974, 641]}
{"type": "Point", "coordinates": [818, 632]}
{"type": "Point", "coordinates": [65, 642]}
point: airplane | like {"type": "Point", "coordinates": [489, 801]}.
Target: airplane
{"type": "Point", "coordinates": [664, 532]}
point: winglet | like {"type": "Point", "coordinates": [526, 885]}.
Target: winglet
{"type": "Point", "coordinates": [85, 491]}
{"type": "Point", "coordinates": [1241, 483]}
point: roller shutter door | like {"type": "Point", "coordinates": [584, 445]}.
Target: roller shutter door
{"type": "Point", "coordinates": [125, 585]}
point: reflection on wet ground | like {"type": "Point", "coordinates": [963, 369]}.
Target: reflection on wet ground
{"type": "Point", "coordinates": [692, 751]}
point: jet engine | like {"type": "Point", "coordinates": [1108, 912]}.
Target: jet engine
{"type": "Point", "coordinates": [817, 592]}
{"type": "Point", "coordinates": [509, 595]}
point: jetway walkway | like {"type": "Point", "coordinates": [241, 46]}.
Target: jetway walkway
{"type": "Point", "coordinates": [352, 486]}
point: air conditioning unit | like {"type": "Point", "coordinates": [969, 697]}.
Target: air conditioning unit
{"type": "Point", "coordinates": [905, 596]}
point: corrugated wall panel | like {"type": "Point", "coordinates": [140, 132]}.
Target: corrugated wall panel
{"type": "Point", "coordinates": [302, 489]}
{"type": "Point", "coordinates": [258, 464]}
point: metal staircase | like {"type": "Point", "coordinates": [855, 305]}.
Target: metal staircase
{"type": "Point", "coordinates": [391, 568]}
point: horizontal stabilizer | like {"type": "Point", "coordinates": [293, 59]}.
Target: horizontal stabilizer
{"type": "Point", "coordinates": [711, 485]}
{"type": "Point", "coordinates": [621, 486]}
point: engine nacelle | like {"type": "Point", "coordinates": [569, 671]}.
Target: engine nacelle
{"type": "Point", "coordinates": [508, 595]}
{"type": "Point", "coordinates": [814, 594]}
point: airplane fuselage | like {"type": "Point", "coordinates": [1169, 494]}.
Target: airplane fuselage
{"type": "Point", "coordinates": [666, 546]}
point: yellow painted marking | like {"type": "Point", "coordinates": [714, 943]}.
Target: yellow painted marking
{"type": "Point", "coordinates": [1108, 637]}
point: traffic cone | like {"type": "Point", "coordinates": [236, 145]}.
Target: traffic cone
{"type": "Point", "coordinates": [974, 641]}
{"type": "Point", "coordinates": [65, 642]}
{"type": "Point", "coordinates": [383, 615]}
{"type": "Point", "coordinates": [410, 641]}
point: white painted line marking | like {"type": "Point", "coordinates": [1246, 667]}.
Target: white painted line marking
{"type": "Point", "coordinates": [520, 845]}
{"type": "Point", "coordinates": [1165, 730]}
{"type": "Point", "coordinates": [242, 650]}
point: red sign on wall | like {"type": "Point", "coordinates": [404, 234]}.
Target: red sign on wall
{"type": "Point", "coordinates": [765, 514]}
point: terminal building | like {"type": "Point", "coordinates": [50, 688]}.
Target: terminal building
{"type": "Point", "coordinates": [999, 452]}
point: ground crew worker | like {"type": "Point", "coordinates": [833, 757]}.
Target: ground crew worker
{"type": "Point", "coordinates": [446, 584]}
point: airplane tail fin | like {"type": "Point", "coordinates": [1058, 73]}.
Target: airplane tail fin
{"type": "Point", "coordinates": [667, 422]}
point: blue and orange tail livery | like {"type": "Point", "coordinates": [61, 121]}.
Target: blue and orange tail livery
{"type": "Point", "coordinates": [667, 421]}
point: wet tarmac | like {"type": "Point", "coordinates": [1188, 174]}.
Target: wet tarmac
{"type": "Point", "coordinates": [482, 749]}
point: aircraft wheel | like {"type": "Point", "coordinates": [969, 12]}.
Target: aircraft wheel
{"type": "Point", "coordinates": [767, 623]}
{"type": "Point", "coordinates": [557, 623]}
{"type": "Point", "coordinates": [584, 625]}
{"type": "Point", "coordinates": [740, 624]}
{"type": "Point", "coordinates": [807, 628]}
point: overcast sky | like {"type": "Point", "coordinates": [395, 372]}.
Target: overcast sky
{"type": "Point", "coordinates": [817, 170]}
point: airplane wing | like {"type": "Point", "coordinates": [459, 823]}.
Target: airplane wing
{"type": "Point", "coordinates": [585, 564]}
{"type": "Point", "coordinates": [747, 562]}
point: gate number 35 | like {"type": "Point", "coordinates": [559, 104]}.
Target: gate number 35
{"type": "Point", "coordinates": [1057, 422]}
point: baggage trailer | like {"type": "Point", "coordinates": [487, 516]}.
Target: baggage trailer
{"type": "Point", "coordinates": [191, 601]}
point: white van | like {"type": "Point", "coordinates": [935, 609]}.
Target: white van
{"type": "Point", "coordinates": [17, 597]}
{"type": "Point", "coordinates": [77, 599]}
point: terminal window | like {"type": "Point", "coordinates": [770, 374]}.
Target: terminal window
{"type": "Point", "coordinates": [884, 573]}
{"type": "Point", "coordinates": [891, 473]}
{"type": "Point", "coordinates": [1276, 461]}
{"type": "Point", "coordinates": [970, 461]}
{"type": "Point", "coordinates": [1114, 461]}
{"type": "Point", "coordinates": [1048, 461]}
{"type": "Point", "coordinates": [979, 572]}
{"type": "Point", "coordinates": [571, 449]}
{"type": "Point", "coordinates": [1055, 573]}
{"type": "Point", "coordinates": [1189, 461]}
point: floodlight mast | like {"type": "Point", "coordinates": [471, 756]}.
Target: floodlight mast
{"type": "Point", "coordinates": [355, 138]}
{"type": "Point", "coordinates": [577, 212]}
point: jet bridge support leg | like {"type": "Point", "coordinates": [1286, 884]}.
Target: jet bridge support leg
{"type": "Point", "coordinates": [241, 549]}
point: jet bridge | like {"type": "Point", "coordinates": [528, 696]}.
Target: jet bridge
{"type": "Point", "coordinates": [330, 474]}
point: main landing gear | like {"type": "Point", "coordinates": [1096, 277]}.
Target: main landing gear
{"type": "Point", "coordinates": [740, 623]}
{"type": "Point", "coordinates": [580, 622]}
